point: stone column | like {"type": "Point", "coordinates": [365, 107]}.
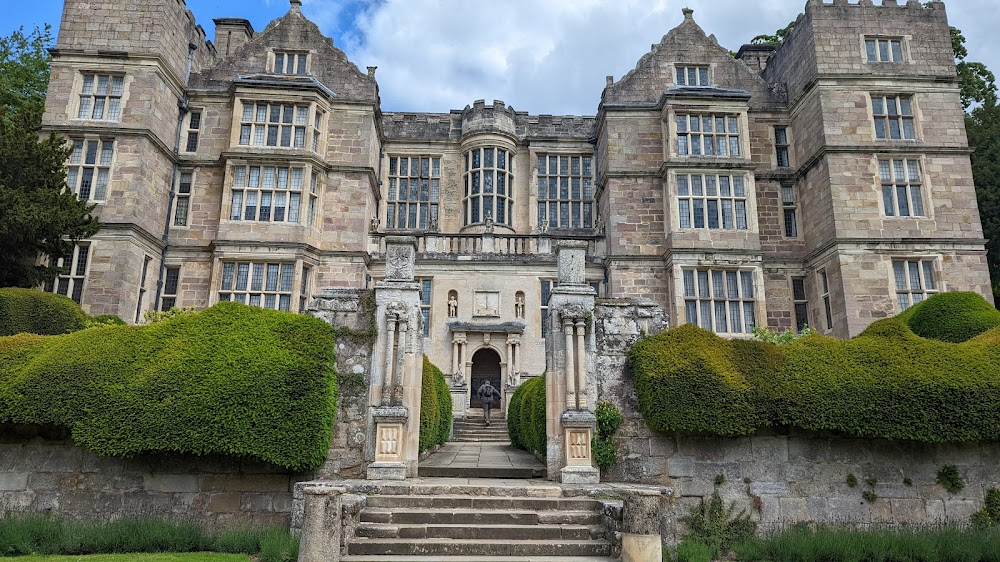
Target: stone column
{"type": "Point", "coordinates": [454, 360]}
{"type": "Point", "coordinates": [570, 423]}
{"type": "Point", "coordinates": [641, 526]}
{"type": "Point", "coordinates": [393, 440]}
{"type": "Point", "coordinates": [321, 525]}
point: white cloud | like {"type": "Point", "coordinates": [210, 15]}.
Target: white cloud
{"type": "Point", "coordinates": [551, 56]}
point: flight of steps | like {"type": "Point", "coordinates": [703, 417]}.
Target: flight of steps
{"type": "Point", "coordinates": [473, 429]}
{"type": "Point", "coordinates": [480, 528]}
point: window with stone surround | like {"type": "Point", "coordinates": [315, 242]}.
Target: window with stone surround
{"type": "Point", "coordinates": [825, 295]}
{"type": "Point", "coordinates": [565, 191]}
{"type": "Point", "coordinates": [182, 200]}
{"type": "Point", "coordinates": [800, 303]}
{"type": "Point", "coordinates": [720, 300]}
{"type": "Point", "coordinates": [546, 290]}
{"type": "Point", "coordinates": [264, 284]}
{"type": "Point", "coordinates": [171, 281]}
{"type": "Point", "coordinates": [304, 289]}
{"type": "Point", "coordinates": [884, 49]}
{"type": "Point", "coordinates": [781, 147]}
{"type": "Point", "coordinates": [692, 75]}
{"type": "Point", "coordinates": [790, 210]}
{"type": "Point", "coordinates": [715, 135]}
{"type": "Point", "coordinates": [915, 281]}
{"type": "Point", "coordinates": [893, 117]}
{"type": "Point", "coordinates": [70, 282]}
{"type": "Point", "coordinates": [279, 125]}
{"type": "Point", "coordinates": [489, 183]}
{"type": "Point", "coordinates": [425, 305]}
{"type": "Point", "coordinates": [286, 62]}
{"type": "Point", "coordinates": [713, 201]}
{"type": "Point", "coordinates": [141, 301]}
{"type": "Point", "coordinates": [193, 130]}
{"type": "Point", "coordinates": [414, 192]}
{"type": "Point", "coordinates": [269, 193]}
{"type": "Point", "coordinates": [89, 168]}
{"type": "Point", "coordinates": [901, 187]}
{"type": "Point", "coordinates": [101, 96]}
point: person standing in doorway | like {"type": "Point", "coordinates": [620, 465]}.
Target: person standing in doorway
{"type": "Point", "coordinates": [488, 394]}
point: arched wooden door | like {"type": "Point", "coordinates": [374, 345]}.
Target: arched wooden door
{"type": "Point", "coordinates": [485, 366]}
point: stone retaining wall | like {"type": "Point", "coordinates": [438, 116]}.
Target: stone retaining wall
{"type": "Point", "coordinates": [781, 476]}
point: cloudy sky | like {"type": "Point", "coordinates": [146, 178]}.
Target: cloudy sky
{"type": "Point", "coordinates": [542, 56]}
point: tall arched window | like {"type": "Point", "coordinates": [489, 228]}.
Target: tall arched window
{"type": "Point", "coordinates": [489, 181]}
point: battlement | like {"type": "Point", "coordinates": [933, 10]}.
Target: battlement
{"type": "Point", "coordinates": [496, 118]}
{"type": "Point", "coordinates": [904, 4]}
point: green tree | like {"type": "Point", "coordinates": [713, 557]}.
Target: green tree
{"type": "Point", "coordinates": [776, 39]}
{"type": "Point", "coordinates": [977, 83]}
{"type": "Point", "coordinates": [38, 215]}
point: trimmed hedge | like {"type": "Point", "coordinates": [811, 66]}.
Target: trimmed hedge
{"type": "Point", "coordinates": [526, 416]}
{"type": "Point", "coordinates": [37, 312]}
{"type": "Point", "coordinates": [435, 407]}
{"type": "Point", "coordinates": [233, 380]}
{"type": "Point", "coordinates": [952, 317]}
{"type": "Point", "coordinates": [886, 383]}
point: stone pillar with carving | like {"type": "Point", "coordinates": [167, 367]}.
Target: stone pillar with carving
{"type": "Point", "coordinates": [397, 365]}
{"type": "Point", "coordinates": [570, 421]}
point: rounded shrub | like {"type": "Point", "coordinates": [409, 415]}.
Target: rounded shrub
{"type": "Point", "coordinates": [435, 407]}
{"type": "Point", "coordinates": [526, 416]}
{"type": "Point", "coordinates": [232, 380]}
{"type": "Point", "coordinates": [686, 380]}
{"type": "Point", "coordinates": [37, 312]}
{"type": "Point", "coordinates": [952, 317]}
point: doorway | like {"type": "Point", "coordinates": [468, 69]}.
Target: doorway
{"type": "Point", "coordinates": [485, 366]}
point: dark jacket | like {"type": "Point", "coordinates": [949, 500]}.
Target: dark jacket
{"type": "Point", "coordinates": [488, 393]}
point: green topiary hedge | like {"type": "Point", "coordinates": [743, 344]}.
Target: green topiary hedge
{"type": "Point", "coordinates": [37, 312]}
{"type": "Point", "coordinates": [435, 407]}
{"type": "Point", "coordinates": [526, 416]}
{"type": "Point", "coordinates": [886, 383]}
{"type": "Point", "coordinates": [952, 317]}
{"type": "Point", "coordinates": [233, 380]}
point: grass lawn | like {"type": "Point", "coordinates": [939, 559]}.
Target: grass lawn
{"type": "Point", "coordinates": [137, 557]}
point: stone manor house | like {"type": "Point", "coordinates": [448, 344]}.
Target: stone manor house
{"type": "Point", "coordinates": [825, 182]}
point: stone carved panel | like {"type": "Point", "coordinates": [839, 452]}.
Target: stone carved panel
{"type": "Point", "coordinates": [399, 262]}
{"type": "Point", "coordinates": [487, 304]}
{"type": "Point", "coordinates": [389, 441]}
{"type": "Point", "coordinates": [578, 451]}
{"type": "Point", "coordinates": [573, 312]}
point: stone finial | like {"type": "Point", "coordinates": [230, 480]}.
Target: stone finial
{"type": "Point", "coordinates": [296, 5]}
{"type": "Point", "coordinates": [610, 80]}
{"type": "Point", "coordinates": [371, 71]}
{"type": "Point", "coordinates": [688, 13]}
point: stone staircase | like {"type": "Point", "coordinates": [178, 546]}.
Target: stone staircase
{"type": "Point", "coordinates": [473, 429]}
{"type": "Point", "coordinates": [533, 524]}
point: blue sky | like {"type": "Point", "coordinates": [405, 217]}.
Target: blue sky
{"type": "Point", "coordinates": [542, 56]}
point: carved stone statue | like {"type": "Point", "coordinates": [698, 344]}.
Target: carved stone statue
{"type": "Point", "coordinates": [519, 307]}
{"type": "Point", "coordinates": [490, 223]}
{"type": "Point", "coordinates": [458, 379]}
{"type": "Point", "coordinates": [374, 224]}
{"type": "Point", "coordinates": [452, 307]}
{"type": "Point", "coordinates": [599, 225]}
{"type": "Point", "coordinates": [513, 379]}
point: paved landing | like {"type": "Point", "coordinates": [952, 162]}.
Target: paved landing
{"type": "Point", "coordinates": [481, 460]}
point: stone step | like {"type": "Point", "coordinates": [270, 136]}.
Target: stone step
{"type": "Point", "coordinates": [478, 547]}
{"type": "Point", "coordinates": [481, 440]}
{"type": "Point", "coordinates": [482, 502]}
{"type": "Point", "coordinates": [490, 532]}
{"type": "Point", "coordinates": [509, 473]}
{"type": "Point", "coordinates": [537, 489]}
{"type": "Point", "coordinates": [418, 558]}
{"type": "Point", "coordinates": [464, 516]}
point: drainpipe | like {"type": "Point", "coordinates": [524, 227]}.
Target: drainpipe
{"type": "Point", "coordinates": [183, 106]}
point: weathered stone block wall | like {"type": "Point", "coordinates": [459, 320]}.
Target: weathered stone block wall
{"type": "Point", "coordinates": [780, 476]}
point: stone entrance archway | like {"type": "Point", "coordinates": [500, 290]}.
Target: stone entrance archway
{"type": "Point", "coordinates": [485, 366]}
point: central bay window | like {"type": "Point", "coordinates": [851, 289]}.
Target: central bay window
{"type": "Point", "coordinates": [489, 181]}
{"type": "Point", "coordinates": [712, 201]}
{"type": "Point", "coordinates": [565, 191]}
{"type": "Point", "coordinates": [720, 300]}
{"type": "Point", "coordinates": [269, 193]}
{"type": "Point", "coordinates": [277, 124]}
{"type": "Point", "coordinates": [901, 196]}
{"type": "Point", "coordinates": [264, 284]}
{"type": "Point", "coordinates": [708, 135]}
{"type": "Point", "coordinates": [414, 192]}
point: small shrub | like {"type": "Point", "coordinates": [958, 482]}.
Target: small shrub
{"type": "Point", "coordinates": [952, 317]}
{"type": "Point", "coordinates": [526, 416]}
{"type": "Point", "coordinates": [989, 515]}
{"type": "Point", "coordinates": [106, 320]}
{"type": "Point", "coordinates": [435, 407]}
{"type": "Point", "coordinates": [720, 479]}
{"type": "Point", "coordinates": [690, 550]}
{"type": "Point", "coordinates": [869, 496]}
{"type": "Point", "coordinates": [278, 545]}
{"type": "Point", "coordinates": [907, 482]}
{"type": "Point", "coordinates": [766, 334]}
{"type": "Point", "coordinates": [609, 418]}
{"type": "Point", "coordinates": [36, 312]}
{"type": "Point", "coordinates": [713, 524]}
{"type": "Point", "coordinates": [949, 479]}
{"type": "Point", "coordinates": [852, 480]}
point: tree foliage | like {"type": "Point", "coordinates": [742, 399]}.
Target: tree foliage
{"type": "Point", "coordinates": [776, 39]}
{"type": "Point", "coordinates": [977, 83]}
{"type": "Point", "coordinates": [38, 215]}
